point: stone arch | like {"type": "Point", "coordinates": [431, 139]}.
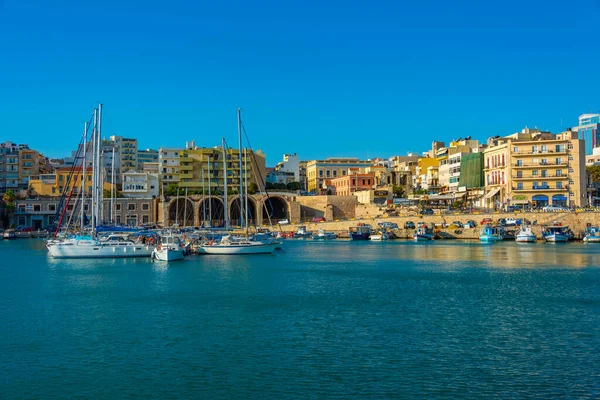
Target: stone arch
{"type": "Point", "coordinates": [235, 214]}
{"type": "Point", "coordinates": [275, 208]}
{"type": "Point", "coordinates": [181, 211]}
{"type": "Point", "coordinates": [211, 208]}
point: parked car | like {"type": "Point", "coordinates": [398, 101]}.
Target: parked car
{"type": "Point", "coordinates": [486, 221]}
{"type": "Point", "coordinates": [409, 225]}
{"type": "Point", "coordinates": [501, 221]}
{"type": "Point", "coordinates": [318, 219]}
{"type": "Point", "coordinates": [554, 209]}
{"type": "Point", "coordinates": [24, 229]}
{"type": "Point", "coordinates": [469, 224]}
{"type": "Point", "coordinates": [387, 225]}
{"type": "Point", "coordinates": [284, 222]}
{"type": "Point", "coordinates": [427, 211]}
{"type": "Point", "coordinates": [511, 222]}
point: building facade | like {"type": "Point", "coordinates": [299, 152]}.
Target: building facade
{"type": "Point", "coordinates": [318, 171]}
{"type": "Point", "coordinates": [348, 184]}
{"type": "Point", "coordinates": [140, 185]}
{"type": "Point", "coordinates": [589, 131]}
{"type": "Point", "coordinates": [168, 166]}
{"type": "Point", "coordinates": [144, 157]}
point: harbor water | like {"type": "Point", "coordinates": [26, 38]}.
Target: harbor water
{"type": "Point", "coordinates": [334, 319]}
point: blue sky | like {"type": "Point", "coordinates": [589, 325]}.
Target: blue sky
{"type": "Point", "coordinates": [334, 78]}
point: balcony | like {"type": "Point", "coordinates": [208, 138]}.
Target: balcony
{"type": "Point", "coordinates": [538, 165]}
{"type": "Point", "coordinates": [539, 153]}
{"type": "Point", "coordinates": [186, 176]}
{"type": "Point", "coordinates": [186, 167]}
{"type": "Point", "coordinates": [541, 188]}
{"type": "Point", "coordinates": [540, 177]}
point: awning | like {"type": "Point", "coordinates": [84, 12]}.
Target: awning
{"type": "Point", "coordinates": [459, 195]}
{"type": "Point", "coordinates": [436, 197]}
{"type": "Point", "coordinates": [492, 193]}
{"type": "Point", "coordinates": [519, 202]}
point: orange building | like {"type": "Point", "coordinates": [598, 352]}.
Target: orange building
{"type": "Point", "coordinates": [348, 184]}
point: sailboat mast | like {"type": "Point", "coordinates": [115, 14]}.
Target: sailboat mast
{"type": "Point", "coordinates": [209, 194]}
{"type": "Point", "coordinates": [113, 188]}
{"type": "Point", "coordinates": [82, 224]}
{"type": "Point", "coordinates": [100, 176]}
{"type": "Point", "coordinates": [94, 172]}
{"type": "Point", "coordinates": [241, 196]}
{"type": "Point", "coordinates": [185, 208]}
{"type": "Point", "coordinates": [246, 185]}
{"type": "Point", "coordinates": [227, 226]}
{"type": "Point", "coordinates": [203, 201]}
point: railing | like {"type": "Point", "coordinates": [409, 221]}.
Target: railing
{"type": "Point", "coordinates": [540, 176]}
{"type": "Point", "coordinates": [546, 164]}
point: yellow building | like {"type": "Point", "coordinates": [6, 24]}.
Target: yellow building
{"type": "Point", "coordinates": [536, 169]}
{"type": "Point", "coordinates": [427, 173]}
{"type": "Point", "coordinates": [201, 167]}
{"type": "Point", "coordinates": [379, 172]}
{"type": "Point", "coordinates": [58, 183]}
{"type": "Point", "coordinates": [317, 171]}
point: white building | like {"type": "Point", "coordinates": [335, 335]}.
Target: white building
{"type": "Point", "coordinates": [146, 156]}
{"type": "Point", "coordinates": [168, 165]}
{"type": "Point", "coordinates": [140, 185]}
{"type": "Point", "coordinates": [290, 163]}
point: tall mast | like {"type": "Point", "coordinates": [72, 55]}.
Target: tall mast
{"type": "Point", "coordinates": [241, 196]}
{"type": "Point", "coordinates": [209, 194]}
{"type": "Point", "coordinates": [185, 209]}
{"type": "Point", "coordinates": [203, 201]}
{"type": "Point", "coordinates": [100, 179]}
{"type": "Point", "coordinates": [113, 188]}
{"type": "Point", "coordinates": [94, 172]}
{"type": "Point", "coordinates": [82, 224]}
{"type": "Point", "coordinates": [227, 226]}
{"type": "Point", "coordinates": [246, 185]}
{"type": "Point", "coordinates": [177, 207]}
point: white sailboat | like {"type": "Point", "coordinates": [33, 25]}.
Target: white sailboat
{"type": "Point", "coordinates": [229, 245]}
{"type": "Point", "coordinates": [90, 246]}
{"type": "Point", "coordinates": [169, 249]}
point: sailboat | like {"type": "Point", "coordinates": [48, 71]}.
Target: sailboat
{"type": "Point", "coordinates": [90, 246]}
{"type": "Point", "coordinates": [229, 244]}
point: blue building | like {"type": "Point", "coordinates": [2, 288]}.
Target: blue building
{"type": "Point", "coordinates": [589, 129]}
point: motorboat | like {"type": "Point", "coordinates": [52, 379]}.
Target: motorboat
{"type": "Point", "coordinates": [591, 234]}
{"type": "Point", "coordinates": [360, 232]}
{"type": "Point", "coordinates": [322, 235]}
{"type": "Point", "coordinates": [229, 245]}
{"type": "Point", "coordinates": [9, 234]}
{"type": "Point", "coordinates": [302, 232]}
{"type": "Point", "coordinates": [169, 249]}
{"type": "Point", "coordinates": [525, 235]}
{"type": "Point", "coordinates": [556, 233]}
{"type": "Point", "coordinates": [89, 247]}
{"type": "Point", "coordinates": [267, 237]}
{"type": "Point", "coordinates": [491, 233]}
{"type": "Point", "coordinates": [423, 233]}
{"type": "Point", "coordinates": [379, 236]}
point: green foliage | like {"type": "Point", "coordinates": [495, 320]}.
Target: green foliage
{"type": "Point", "coordinates": [329, 192]}
{"type": "Point", "coordinates": [9, 200]}
{"type": "Point", "coordinates": [398, 191]}
{"type": "Point", "coordinates": [252, 188]}
{"type": "Point", "coordinates": [293, 186]}
{"type": "Point", "coordinates": [171, 190]}
{"type": "Point", "coordinates": [594, 172]}
{"type": "Point", "coordinates": [421, 191]}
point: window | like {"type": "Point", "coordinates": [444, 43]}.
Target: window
{"type": "Point", "coordinates": [343, 172]}
{"type": "Point", "coordinates": [131, 207]}
{"type": "Point", "coordinates": [560, 148]}
{"type": "Point", "coordinates": [534, 149]}
{"type": "Point", "coordinates": [519, 163]}
{"type": "Point", "coordinates": [519, 174]}
{"type": "Point", "coordinates": [559, 185]}
{"type": "Point", "coordinates": [118, 220]}
{"type": "Point", "coordinates": [544, 173]}
{"type": "Point", "coordinates": [70, 207]}
{"type": "Point", "coordinates": [328, 173]}
{"type": "Point", "coordinates": [571, 194]}
{"type": "Point", "coordinates": [516, 149]}
{"type": "Point", "coordinates": [544, 148]}
{"type": "Point", "coordinates": [335, 173]}
{"type": "Point", "coordinates": [570, 158]}
{"type": "Point", "coordinates": [22, 221]}
{"type": "Point", "coordinates": [544, 161]}
{"type": "Point", "coordinates": [53, 189]}
{"type": "Point", "coordinates": [118, 207]}
{"type": "Point", "coordinates": [145, 219]}
{"type": "Point", "coordinates": [37, 207]}
{"type": "Point", "coordinates": [558, 160]}
{"type": "Point", "coordinates": [520, 186]}
{"type": "Point", "coordinates": [559, 172]}
{"type": "Point", "coordinates": [145, 206]}
{"type": "Point", "coordinates": [51, 207]}
{"type": "Point", "coordinates": [534, 172]}
{"type": "Point", "coordinates": [320, 173]}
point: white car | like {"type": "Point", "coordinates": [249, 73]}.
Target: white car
{"type": "Point", "coordinates": [511, 221]}
{"type": "Point", "coordinates": [283, 222]}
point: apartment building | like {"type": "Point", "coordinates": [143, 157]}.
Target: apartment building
{"type": "Point", "coordinates": [589, 131]}
{"type": "Point", "coordinates": [146, 156]}
{"type": "Point", "coordinates": [57, 183]}
{"type": "Point", "coordinates": [9, 166]}
{"type": "Point", "coordinates": [168, 166]}
{"type": "Point", "coordinates": [352, 182]}
{"type": "Point", "coordinates": [536, 168]}
{"type": "Point", "coordinates": [128, 152]}
{"type": "Point", "coordinates": [140, 185]}
{"type": "Point", "coordinates": [318, 171]}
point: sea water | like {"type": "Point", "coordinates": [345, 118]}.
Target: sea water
{"type": "Point", "coordinates": [335, 319]}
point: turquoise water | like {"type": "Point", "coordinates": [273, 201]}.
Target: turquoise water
{"type": "Point", "coordinates": [317, 320]}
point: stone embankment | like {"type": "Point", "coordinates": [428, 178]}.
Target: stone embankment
{"type": "Point", "coordinates": [577, 221]}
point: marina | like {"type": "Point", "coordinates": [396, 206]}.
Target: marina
{"type": "Point", "coordinates": [337, 324]}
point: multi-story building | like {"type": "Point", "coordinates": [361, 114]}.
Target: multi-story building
{"type": "Point", "coordinates": [127, 149]}
{"type": "Point", "coordinates": [168, 166]}
{"type": "Point", "coordinates": [427, 174]}
{"type": "Point", "coordinates": [9, 166]}
{"type": "Point", "coordinates": [57, 183]}
{"type": "Point", "coordinates": [589, 131]}
{"type": "Point", "coordinates": [317, 171]}
{"type": "Point", "coordinates": [284, 177]}
{"type": "Point", "coordinates": [203, 166]}
{"type": "Point", "coordinates": [290, 163]}
{"type": "Point", "coordinates": [594, 159]}
{"type": "Point", "coordinates": [352, 182]}
{"type": "Point", "coordinates": [140, 185]}
{"type": "Point", "coordinates": [536, 168]}
{"type": "Point", "coordinates": [29, 165]}
{"type": "Point", "coordinates": [146, 156]}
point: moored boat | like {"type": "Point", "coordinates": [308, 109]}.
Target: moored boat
{"type": "Point", "coordinates": [322, 235]}
{"type": "Point", "coordinates": [591, 234]}
{"type": "Point", "coordinates": [302, 232]}
{"type": "Point", "coordinates": [229, 245]}
{"type": "Point", "coordinates": [379, 236]}
{"type": "Point", "coordinates": [9, 234]}
{"type": "Point", "coordinates": [525, 235]}
{"type": "Point", "coordinates": [169, 249]}
{"type": "Point", "coordinates": [556, 233]}
{"type": "Point", "coordinates": [491, 233]}
{"type": "Point", "coordinates": [360, 232]}
{"type": "Point", "coordinates": [423, 233]}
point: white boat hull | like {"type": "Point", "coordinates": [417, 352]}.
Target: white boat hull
{"type": "Point", "coordinates": [556, 238]}
{"type": "Point", "coordinates": [168, 255]}
{"type": "Point", "coordinates": [98, 251]}
{"type": "Point", "coordinates": [234, 249]}
{"type": "Point", "coordinates": [526, 238]}
{"type": "Point", "coordinates": [422, 238]}
{"type": "Point", "coordinates": [592, 239]}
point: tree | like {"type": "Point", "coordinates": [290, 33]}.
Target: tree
{"type": "Point", "coordinates": [398, 191]}
{"type": "Point", "coordinates": [171, 189]}
{"type": "Point", "coordinates": [594, 173]}
{"type": "Point", "coordinates": [269, 186]}
{"type": "Point", "coordinates": [252, 188]}
{"type": "Point", "coordinates": [293, 186]}
{"type": "Point", "coordinates": [9, 204]}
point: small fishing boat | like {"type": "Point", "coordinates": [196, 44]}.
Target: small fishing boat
{"type": "Point", "coordinates": [9, 234]}
{"type": "Point", "coordinates": [556, 233]}
{"type": "Point", "coordinates": [491, 233]}
{"type": "Point", "coordinates": [525, 235]}
{"type": "Point", "coordinates": [360, 232]}
{"type": "Point", "coordinates": [423, 233]}
{"type": "Point", "coordinates": [302, 232]}
{"type": "Point", "coordinates": [169, 249]}
{"type": "Point", "coordinates": [322, 235]}
{"type": "Point", "coordinates": [591, 234]}
{"type": "Point", "coordinates": [379, 236]}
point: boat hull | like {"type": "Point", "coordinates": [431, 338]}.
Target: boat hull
{"type": "Point", "coordinates": [422, 237]}
{"type": "Point", "coordinates": [378, 238]}
{"type": "Point", "coordinates": [490, 239]}
{"type": "Point", "coordinates": [526, 239]}
{"type": "Point", "coordinates": [168, 255]}
{"type": "Point", "coordinates": [99, 251]}
{"type": "Point", "coordinates": [263, 248]}
{"type": "Point", "coordinates": [360, 236]}
{"type": "Point", "coordinates": [592, 239]}
{"type": "Point", "coordinates": [556, 238]}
